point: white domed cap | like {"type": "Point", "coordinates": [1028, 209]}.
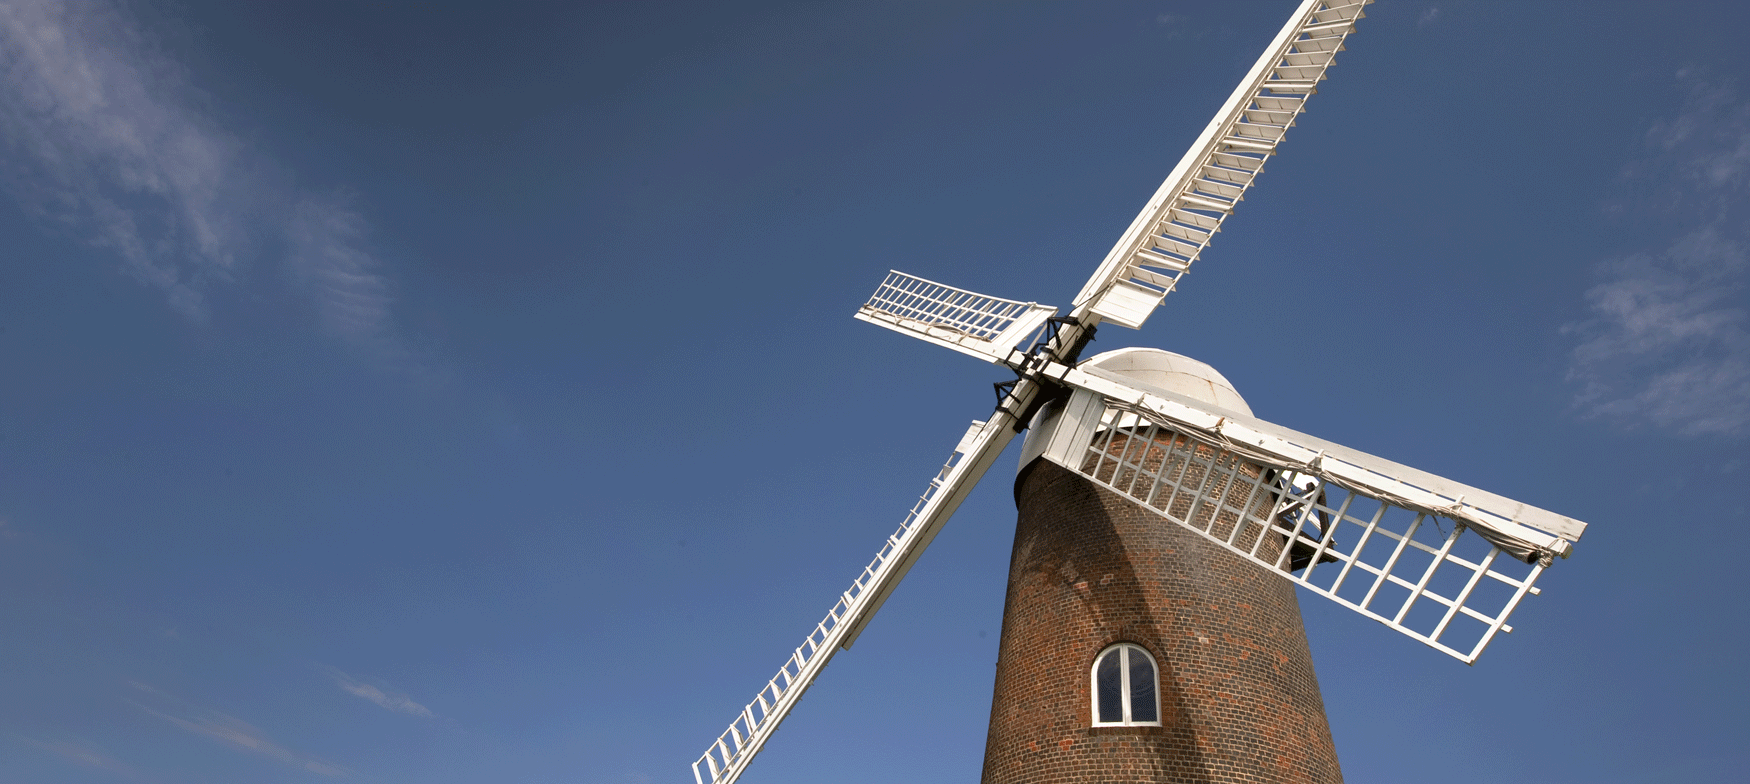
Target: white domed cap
{"type": "Point", "coordinates": [1148, 368]}
{"type": "Point", "coordinates": [1174, 373]}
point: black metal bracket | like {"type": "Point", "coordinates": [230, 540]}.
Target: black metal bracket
{"type": "Point", "coordinates": [1035, 358]}
{"type": "Point", "coordinates": [1004, 389]}
{"type": "Point", "coordinates": [1071, 354]}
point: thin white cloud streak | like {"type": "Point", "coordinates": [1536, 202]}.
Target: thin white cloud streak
{"type": "Point", "coordinates": [400, 703]}
{"type": "Point", "coordinates": [1428, 17]}
{"type": "Point", "coordinates": [104, 134]}
{"type": "Point", "coordinates": [352, 299]}
{"type": "Point", "coordinates": [231, 731]}
{"type": "Point", "coordinates": [1667, 340]}
{"type": "Point", "coordinates": [81, 753]}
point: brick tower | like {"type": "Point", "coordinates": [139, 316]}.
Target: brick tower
{"type": "Point", "coordinates": [1092, 573]}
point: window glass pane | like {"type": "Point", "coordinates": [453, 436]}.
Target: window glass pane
{"type": "Point", "coordinates": [1143, 706]}
{"type": "Point", "coordinates": [1111, 688]}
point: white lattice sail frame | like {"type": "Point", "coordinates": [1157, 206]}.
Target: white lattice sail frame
{"type": "Point", "coordinates": [1416, 552]}
{"type": "Point", "coordinates": [747, 733]}
{"type": "Point", "coordinates": [1212, 178]}
{"type": "Point", "coordinates": [980, 325]}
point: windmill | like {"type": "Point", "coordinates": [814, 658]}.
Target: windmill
{"type": "Point", "coordinates": [1163, 529]}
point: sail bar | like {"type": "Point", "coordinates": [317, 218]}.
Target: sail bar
{"type": "Point", "coordinates": [724, 761]}
{"type": "Point", "coordinates": [1531, 527]}
{"type": "Point", "coordinates": [968, 322]}
{"type": "Point", "coordinates": [1384, 540]}
{"type": "Point", "coordinates": [1212, 178]}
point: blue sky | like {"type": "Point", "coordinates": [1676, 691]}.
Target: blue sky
{"type": "Point", "coordinates": [467, 394]}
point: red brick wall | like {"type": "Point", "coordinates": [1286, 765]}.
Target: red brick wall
{"type": "Point", "coordinates": [1239, 700]}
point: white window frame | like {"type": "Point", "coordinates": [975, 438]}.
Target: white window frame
{"type": "Point", "coordinates": [1124, 650]}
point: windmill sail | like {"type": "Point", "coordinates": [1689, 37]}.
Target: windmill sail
{"type": "Point", "coordinates": [1416, 552]}
{"type": "Point", "coordinates": [724, 761]}
{"type": "Point", "coordinates": [979, 325]}
{"type": "Point", "coordinates": [1210, 181]}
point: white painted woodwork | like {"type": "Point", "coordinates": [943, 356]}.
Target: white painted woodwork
{"type": "Point", "coordinates": [978, 325]}
{"type": "Point", "coordinates": [1211, 179]}
{"type": "Point", "coordinates": [977, 450]}
{"type": "Point", "coordinates": [1126, 303]}
{"type": "Point", "coordinates": [1395, 560]}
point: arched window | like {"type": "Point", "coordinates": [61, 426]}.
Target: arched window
{"type": "Point", "coordinates": [1124, 688]}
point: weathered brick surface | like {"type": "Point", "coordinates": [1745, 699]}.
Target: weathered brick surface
{"type": "Point", "coordinates": [1239, 700]}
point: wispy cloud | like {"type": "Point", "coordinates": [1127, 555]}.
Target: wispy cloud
{"type": "Point", "coordinates": [400, 703]}
{"type": "Point", "coordinates": [229, 730]}
{"type": "Point", "coordinates": [1428, 17]}
{"type": "Point", "coordinates": [81, 753]}
{"type": "Point", "coordinates": [324, 237]}
{"type": "Point", "coordinates": [1706, 146]}
{"type": "Point", "coordinates": [1667, 340]}
{"type": "Point", "coordinates": [103, 134]}
{"type": "Point", "coordinates": [99, 143]}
